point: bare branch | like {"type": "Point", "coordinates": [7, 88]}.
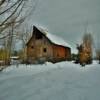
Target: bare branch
{"type": "Point", "coordinates": [11, 14]}
{"type": "Point", "coordinates": [14, 17]}
{"type": "Point", "coordinates": [10, 7]}
{"type": "Point", "coordinates": [2, 2]}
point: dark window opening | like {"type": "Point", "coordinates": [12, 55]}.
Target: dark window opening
{"type": "Point", "coordinates": [44, 50]}
{"type": "Point", "coordinates": [57, 54]}
{"type": "Point", "coordinates": [39, 36]}
{"type": "Point", "coordinates": [32, 47]}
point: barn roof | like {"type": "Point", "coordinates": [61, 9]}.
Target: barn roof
{"type": "Point", "coordinates": [55, 39]}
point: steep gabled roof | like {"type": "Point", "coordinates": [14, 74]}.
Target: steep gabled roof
{"type": "Point", "coordinates": [53, 38]}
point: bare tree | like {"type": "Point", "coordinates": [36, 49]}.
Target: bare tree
{"type": "Point", "coordinates": [97, 49]}
{"type": "Point", "coordinates": [12, 14]}
{"type": "Point", "coordinates": [87, 39]}
{"type": "Point", "coordinates": [98, 55]}
{"type": "Point", "coordinates": [85, 50]}
{"type": "Point", "coordinates": [25, 36]}
{"type": "Point", "coordinates": [14, 11]}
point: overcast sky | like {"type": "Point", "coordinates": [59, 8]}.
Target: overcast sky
{"type": "Point", "coordinates": [68, 18]}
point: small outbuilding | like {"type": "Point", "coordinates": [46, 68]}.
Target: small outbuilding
{"type": "Point", "coordinates": [43, 47]}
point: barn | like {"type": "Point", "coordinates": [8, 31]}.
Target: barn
{"type": "Point", "coordinates": [42, 47]}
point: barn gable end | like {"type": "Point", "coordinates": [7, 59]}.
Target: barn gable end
{"type": "Point", "coordinates": [41, 49]}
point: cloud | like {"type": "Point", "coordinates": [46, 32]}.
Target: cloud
{"type": "Point", "coordinates": [68, 18]}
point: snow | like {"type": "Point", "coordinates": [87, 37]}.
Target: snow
{"type": "Point", "coordinates": [55, 39]}
{"type": "Point", "coordinates": [61, 81]}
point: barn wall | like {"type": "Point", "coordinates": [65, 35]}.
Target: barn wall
{"type": "Point", "coordinates": [61, 53]}
{"type": "Point", "coordinates": [31, 51]}
{"type": "Point", "coordinates": [44, 47]}
{"type": "Point", "coordinates": [68, 53]}
{"type": "Point", "coordinates": [39, 47]}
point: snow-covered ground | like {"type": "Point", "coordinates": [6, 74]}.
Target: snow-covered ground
{"type": "Point", "coordinates": [61, 81]}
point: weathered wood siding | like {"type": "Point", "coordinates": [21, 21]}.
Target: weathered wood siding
{"type": "Point", "coordinates": [68, 53]}
{"type": "Point", "coordinates": [40, 48]}
{"type": "Point", "coordinates": [37, 49]}
{"type": "Point", "coordinates": [58, 52]}
{"type": "Point", "coordinates": [61, 53]}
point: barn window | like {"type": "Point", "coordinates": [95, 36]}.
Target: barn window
{"type": "Point", "coordinates": [39, 36]}
{"type": "Point", "coordinates": [57, 54]}
{"type": "Point", "coordinates": [44, 50]}
{"type": "Point", "coordinates": [32, 47]}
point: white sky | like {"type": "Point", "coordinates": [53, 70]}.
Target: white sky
{"type": "Point", "coordinates": [68, 18]}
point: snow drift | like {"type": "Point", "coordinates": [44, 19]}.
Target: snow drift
{"type": "Point", "coordinates": [61, 81]}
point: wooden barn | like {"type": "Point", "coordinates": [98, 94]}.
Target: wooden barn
{"type": "Point", "coordinates": [42, 48]}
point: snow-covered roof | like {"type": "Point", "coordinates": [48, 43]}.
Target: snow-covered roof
{"type": "Point", "coordinates": [55, 39]}
{"type": "Point", "coordinates": [14, 57]}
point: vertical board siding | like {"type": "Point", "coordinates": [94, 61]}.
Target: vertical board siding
{"type": "Point", "coordinates": [40, 47]}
